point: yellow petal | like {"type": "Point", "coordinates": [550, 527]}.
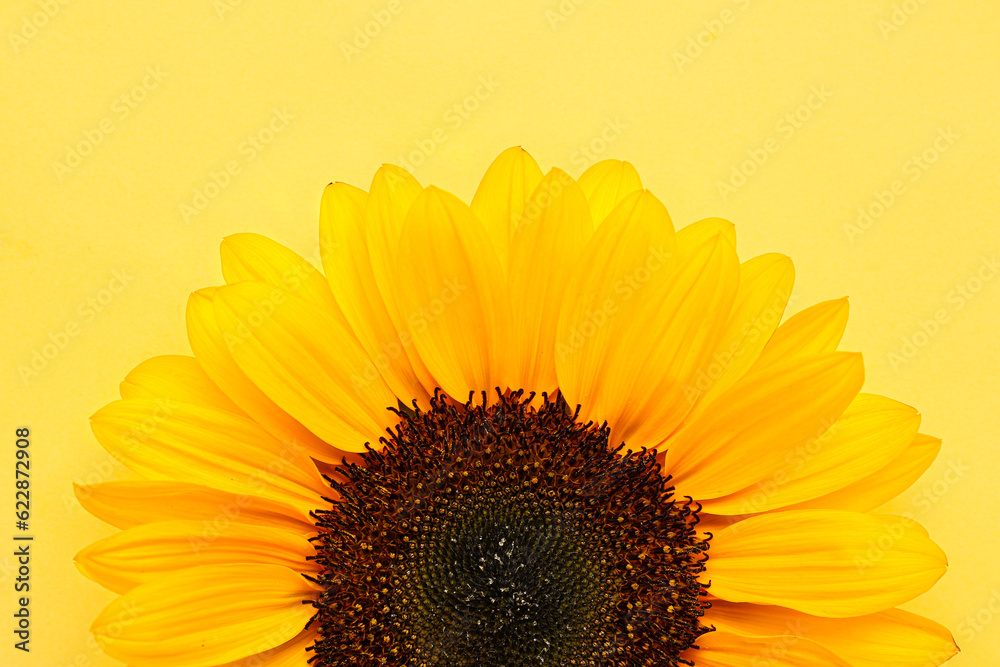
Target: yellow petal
{"type": "Point", "coordinates": [153, 550]}
{"type": "Point", "coordinates": [166, 441]}
{"type": "Point", "coordinates": [452, 293]}
{"type": "Point", "coordinates": [872, 432]}
{"type": "Point", "coordinates": [176, 377]}
{"type": "Point", "coordinates": [257, 258]}
{"type": "Point", "coordinates": [305, 362]}
{"type": "Point", "coordinates": [724, 649]}
{"type": "Point", "coordinates": [692, 236]}
{"type": "Point", "coordinates": [605, 184]}
{"type": "Point", "coordinates": [814, 330]}
{"type": "Point", "coordinates": [392, 192]}
{"type": "Point", "coordinates": [216, 359]}
{"type": "Point", "coordinates": [663, 336]}
{"type": "Point", "coordinates": [205, 616]}
{"type": "Point", "coordinates": [292, 653]}
{"type": "Point", "coordinates": [390, 196]}
{"type": "Point", "coordinates": [824, 562]}
{"type": "Point", "coordinates": [344, 250]}
{"type": "Point", "coordinates": [634, 244]}
{"type": "Point", "coordinates": [753, 426]}
{"type": "Point", "coordinates": [548, 242]}
{"type": "Point", "coordinates": [893, 637]}
{"type": "Point", "coordinates": [126, 504]}
{"type": "Point", "coordinates": [765, 285]}
{"type": "Point", "coordinates": [501, 195]}
{"type": "Point", "coordinates": [884, 484]}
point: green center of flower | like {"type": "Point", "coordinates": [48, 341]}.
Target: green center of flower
{"type": "Point", "coordinates": [506, 535]}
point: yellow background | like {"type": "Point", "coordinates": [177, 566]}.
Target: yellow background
{"type": "Point", "coordinates": [687, 91]}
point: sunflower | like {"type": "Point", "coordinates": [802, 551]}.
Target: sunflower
{"type": "Point", "coordinates": [540, 429]}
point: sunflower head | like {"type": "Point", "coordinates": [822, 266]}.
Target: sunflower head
{"type": "Point", "coordinates": [506, 534]}
{"type": "Point", "coordinates": [543, 428]}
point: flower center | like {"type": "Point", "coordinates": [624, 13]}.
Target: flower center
{"type": "Point", "coordinates": [506, 535]}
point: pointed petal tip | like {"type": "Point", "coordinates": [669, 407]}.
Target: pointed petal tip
{"type": "Point", "coordinates": [513, 149]}
{"type": "Point", "coordinates": [203, 293]}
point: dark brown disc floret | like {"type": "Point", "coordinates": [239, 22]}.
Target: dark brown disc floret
{"type": "Point", "coordinates": [503, 535]}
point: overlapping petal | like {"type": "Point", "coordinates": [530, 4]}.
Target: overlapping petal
{"type": "Point", "coordinates": [293, 653]}
{"type": "Point", "coordinates": [829, 563]}
{"type": "Point", "coordinates": [812, 331]}
{"type": "Point", "coordinates": [344, 251]}
{"type": "Point", "coordinates": [549, 237]}
{"type": "Point", "coordinates": [753, 426]}
{"type": "Point", "coordinates": [178, 378]}
{"type": "Point", "coordinates": [125, 504]}
{"type": "Point", "coordinates": [502, 194]}
{"type": "Point", "coordinates": [215, 356]}
{"type": "Point", "coordinates": [635, 245]}
{"type": "Point", "coordinates": [199, 617]}
{"type": "Point", "coordinates": [150, 551]}
{"type": "Point", "coordinates": [665, 335]}
{"type": "Point", "coordinates": [393, 190]}
{"type": "Point", "coordinates": [256, 258]}
{"type": "Point", "coordinates": [893, 637]}
{"type": "Point", "coordinates": [872, 432]}
{"type": "Point", "coordinates": [305, 362]}
{"type": "Point", "coordinates": [881, 486]}
{"type": "Point", "coordinates": [725, 649]}
{"type": "Point", "coordinates": [693, 235]}
{"type": "Point", "coordinates": [765, 285]}
{"type": "Point", "coordinates": [181, 442]}
{"type": "Point", "coordinates": [452, 295]}
{"type": "Point", "coordinates": [606, 184]}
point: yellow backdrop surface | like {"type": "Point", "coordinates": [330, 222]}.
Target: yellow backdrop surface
{"type": "Point", "coordinates": [859, 138]}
